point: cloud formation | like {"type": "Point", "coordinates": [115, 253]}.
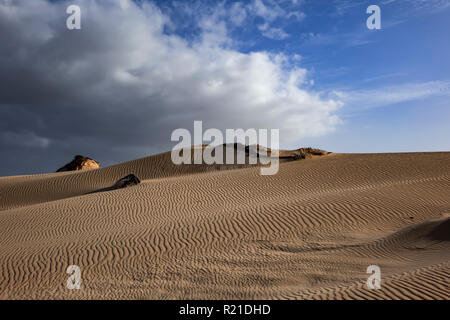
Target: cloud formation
{"type": "Point", "coordinates": [116, 89]}
{"type": "Point", "coordinates": [390, 95]}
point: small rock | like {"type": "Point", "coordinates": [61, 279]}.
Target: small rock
{"type": "Point", "coordinates": [298, 156]}
{"type": "Point", "coordinates": [128, 181]}
{"type": "Point", "coordinates": [80, 163]}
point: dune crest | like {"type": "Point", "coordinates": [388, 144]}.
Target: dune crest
{"type": "Point", "coordinates": [209, 232]}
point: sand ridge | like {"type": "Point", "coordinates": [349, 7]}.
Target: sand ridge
{"type": "Point", "coordinates": [198, 231]}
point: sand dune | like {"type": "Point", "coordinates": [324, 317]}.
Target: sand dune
{"type": "Point", "coordinates": [202, 232]}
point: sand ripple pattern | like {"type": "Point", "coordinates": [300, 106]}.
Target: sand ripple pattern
{"type": "Point", "coordinates": [201, 232]}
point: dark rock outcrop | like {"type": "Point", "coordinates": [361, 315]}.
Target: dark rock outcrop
{"type": "Point", "coordinates": [128, 181]}
{"type": "Point", "coordinates": [80, 163]}
{"type": "Point", "coordinates": [306, 153]}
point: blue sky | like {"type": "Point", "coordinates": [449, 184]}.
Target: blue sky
{"type": "Point", "coordinates": [408, 59]}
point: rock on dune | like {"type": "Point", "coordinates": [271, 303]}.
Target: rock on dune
{"type": "Point", "coordinates": [307, 153]}
{"type": "Point", "coordinates": [80, 163]}
{"type": "Point", "coordinates": [128, 181]}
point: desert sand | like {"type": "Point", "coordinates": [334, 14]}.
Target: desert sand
{"type": "Point", "coordinates": [203, 232]}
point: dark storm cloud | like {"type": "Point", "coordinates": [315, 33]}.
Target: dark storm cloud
{"type": "Point", "coordinates": [116, 89]}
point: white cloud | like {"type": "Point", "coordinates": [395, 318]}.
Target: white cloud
{"type": "Point", "coordinates": [272, 33]}
{"type": "Point", "coordinates": [297, 15]}
{"type": "Point", "coordinates": [267, 13]}
{"type": "Point", "coordinates": [272, 14]}
{"type": "Point", "coordinates": [238, 13]}
{"type": "Point", "coordinates": [385, 96]}
{"type": "Point", "coordinates": [425, 6]}
{"type": "Point", "coordinates": [131, 84]}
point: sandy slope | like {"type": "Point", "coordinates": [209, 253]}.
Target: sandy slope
{"type": "Point", "coordinates": [308, 232]}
